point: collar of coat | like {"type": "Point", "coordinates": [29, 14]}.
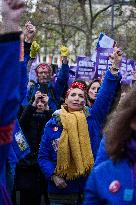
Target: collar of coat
{"type": "Point", "coordinates": [56, 116]}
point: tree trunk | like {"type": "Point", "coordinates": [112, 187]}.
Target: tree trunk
{"type": "Point", "coordinates": [88, 44]}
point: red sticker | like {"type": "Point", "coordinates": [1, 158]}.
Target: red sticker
{"type": "Point", "coordinates": [6, 134]}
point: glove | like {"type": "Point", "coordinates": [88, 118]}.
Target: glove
{"type": "Point", "coordinates": [35, 48]}
{"type": "Point", "coordinates": [64, 51]}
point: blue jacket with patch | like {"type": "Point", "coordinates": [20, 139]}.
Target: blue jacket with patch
{"type": "Point", "coordinates": [95, 117]}
{"type": "Point", "coordinates": [97, 189]}
{"type": "Point", "coordinates": [15, 152]}
{"type": "Point", "coordinates": [9, 98]}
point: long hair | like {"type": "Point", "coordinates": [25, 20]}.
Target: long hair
{"type": "Point", "coordinates": [118, 129]}
{"type": "Point", "coordinates": [91, 83]}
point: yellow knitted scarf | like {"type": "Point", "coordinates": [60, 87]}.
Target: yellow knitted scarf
{"type": "Point", "coordinates": [74, 157]}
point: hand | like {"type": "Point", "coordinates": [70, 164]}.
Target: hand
{"type": "Point", "coordinates": [65, 60]}
{"type": "Point", "coordinates": [115, 59]}
{"type": "Point", "coordinates": [45, 98]}
{"type": "Point", "coordinates": [37, 96]}
{"type": "Point", "coordinates": [59, 182]}
{"type": "Point", "coordinates": [11, 14]}
{"type": "Point", "coordinates": [29, 31]}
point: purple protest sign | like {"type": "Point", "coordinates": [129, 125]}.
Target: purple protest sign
{"type": "Point", "coordinates": [104, 42]}
{"type": "Point", "coordinates": [105, 46]}
{"type": "Point", "coordinates": [130, 69]}
{"type": "Point", "coordinates": [85, 68]}
{"type": "Point", "coordinates": [72, 74]}
{"type": "Point", "coordinates": [102, 60]}
{"type": "Point", "coordinates": [123, 67]}
{"type": "Point", "coordinates": [130, 65]}
{"type": "Point", "coordinates": [127, 66]}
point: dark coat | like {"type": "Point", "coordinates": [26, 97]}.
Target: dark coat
{"type": "Point", "coordinates": [28, 174]}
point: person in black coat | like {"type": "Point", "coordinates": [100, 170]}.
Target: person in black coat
{"type": "Point", "coordinates": [29, 179]}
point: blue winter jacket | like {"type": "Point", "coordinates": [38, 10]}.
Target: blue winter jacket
{"type": "Point", "coordinates": [97, 189]}
{"type": "Point", "coordinates": [9, 96]}
{"type": "Point", "coordinates": [16, 152]}
{"type": "Point", "coordinates": [102, 154]}
{"type": "Point", "coordinates": [95, 117]}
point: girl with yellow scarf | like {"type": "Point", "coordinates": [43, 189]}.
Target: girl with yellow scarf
{"type": "Point", "coordinates": [71, 139]}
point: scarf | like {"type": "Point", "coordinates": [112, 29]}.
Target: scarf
{"type": "Point", "coordinates": [131, 153]}
{"type": "Point", "coordinates": [74, 157]}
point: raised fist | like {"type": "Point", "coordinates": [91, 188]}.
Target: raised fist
{"type": "Point", "coordinates": [29, 31]}
{"type": "Point", "coordinates": [11, 14]}
{"type": "Point", "coordinates": [116, 57]}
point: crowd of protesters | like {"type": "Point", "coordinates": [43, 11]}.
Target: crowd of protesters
{"type": "Point", "coordinates": [52, 142]}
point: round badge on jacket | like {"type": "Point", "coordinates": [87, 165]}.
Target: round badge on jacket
{"type": "Point", "coordinates": [114, 186]}
{"type": "Point", "coordinates": [55, 129]}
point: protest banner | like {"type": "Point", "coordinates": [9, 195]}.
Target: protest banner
{"type": "Point", "coordinates": [102, 60]}
{"type": "Point", "coordinates": [86, 68]}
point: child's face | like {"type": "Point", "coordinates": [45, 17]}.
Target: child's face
{"type": "Point", "coordinates": [42, 103]}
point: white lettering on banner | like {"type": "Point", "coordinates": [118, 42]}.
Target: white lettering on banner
{"type": "Point", "coordinates": [86, 73]}
{"type": "Point", "coordinates": [81, 73]}
{"type": "Point", "coordinates": [83, 63]}
{"type": "Point", "coordinates": [81, 69]}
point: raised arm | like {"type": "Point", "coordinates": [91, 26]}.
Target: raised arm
{"type": "Point", "coordinates": [9, 82]}
{"type": "Point", "coordinates": [108, 90]}
{"type": "Point", "coordinates": [62, 79]}
{"type": "Point", "coordinates": [28, 36]}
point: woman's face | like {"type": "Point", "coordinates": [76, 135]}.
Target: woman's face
{"type": "Point", "coordinates": [75, 100]}
{"type": "Point", "coordinates": [94, 90]}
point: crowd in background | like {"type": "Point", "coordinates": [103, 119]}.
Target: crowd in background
{"type": "Point", "coordinates": [66, 144]}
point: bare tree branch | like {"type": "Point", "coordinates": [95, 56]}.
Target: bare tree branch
{"type": "Point", "coordinates": [90, 7]}
{"type": "Point", "coordinates": [122, 23]}
{"type": "Point", "coordinates": [82, 5]}
{"type": "Point", "coordinates": [67, 25]}
{"type": "Point", "coordinates": [51, 4]}
{"type": "Point", "coordinates": [101, 11]}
